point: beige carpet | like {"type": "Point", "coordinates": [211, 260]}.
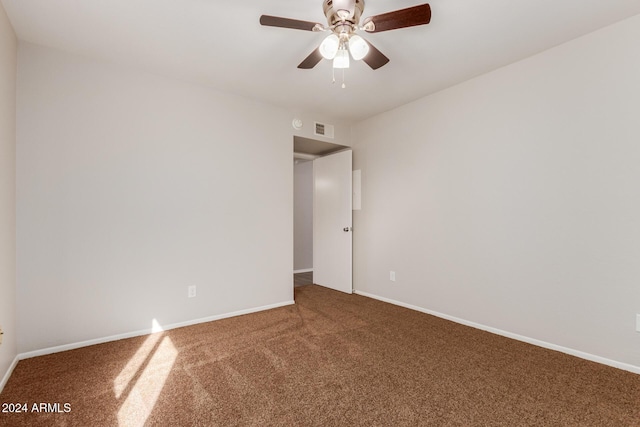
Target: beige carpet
{"type": "Point", "coordinates": [331, 360]}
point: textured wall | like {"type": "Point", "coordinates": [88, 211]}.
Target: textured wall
{"type": "Point", "coordinates": [511, 200]}
{"type": "Point", "coordinates": [303, 216]}
{"type": "Point", "coordinates": [8, 65]}
{"type": "Point", "coordinates": [133, 187]}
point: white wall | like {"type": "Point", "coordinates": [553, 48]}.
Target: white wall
{"type": "Point", "coordinates": [512, 200]}
{"type": "Point", "coordinates": [303, 216]}
{"type": "Point", "coordinates": [8, 64]}
{"type": "Point", "coordinates": [132, 187]}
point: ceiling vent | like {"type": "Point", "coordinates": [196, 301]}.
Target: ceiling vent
{"type": "Point", "coordinates": [321, 129]}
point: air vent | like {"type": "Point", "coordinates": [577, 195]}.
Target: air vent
{"type": "Point", "coordinates": [322, 129]}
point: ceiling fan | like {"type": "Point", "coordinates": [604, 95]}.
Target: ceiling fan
{"type": "Point", "coordinates": [343, 20]}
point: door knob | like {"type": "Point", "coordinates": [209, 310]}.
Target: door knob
{"type": "Point", "coordinates": [346, 229]}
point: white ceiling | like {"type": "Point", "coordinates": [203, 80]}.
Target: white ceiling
{"type": "Point", "coordinates": [219, 43]}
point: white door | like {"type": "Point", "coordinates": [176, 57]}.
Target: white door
{"type": "Point", "coordinates": [332, 233]}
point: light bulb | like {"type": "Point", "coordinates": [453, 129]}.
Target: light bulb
{"type": "Point", "coordinates": [342, 59]}
{"type": "Point", "coordinates": [358, 47]}
{"type": "Point", "coordinates": [329, 46]}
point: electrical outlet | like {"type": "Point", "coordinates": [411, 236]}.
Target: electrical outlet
{"type": "Point", "coordinates": [191, 291]}
{"type": "Point", "coordinates": [392, 276]}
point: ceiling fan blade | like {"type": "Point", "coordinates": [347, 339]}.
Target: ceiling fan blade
{"type": "Point", "coordinates": [311, 61]}
{"type": "Point", "coordinates": [276, 21]}
{"type": "Point", "coordinates": [375, 59]}
{"type": "Point", "coordinates": [409, 17]}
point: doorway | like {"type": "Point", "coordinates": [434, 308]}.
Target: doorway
{"type": "Point", "coordinates": [305, 151]}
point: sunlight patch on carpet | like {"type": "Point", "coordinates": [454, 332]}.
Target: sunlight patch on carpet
{"type": "Point", "coordinates": [142, 397]}
{"type": "Point", "coordinates": [123, 379]}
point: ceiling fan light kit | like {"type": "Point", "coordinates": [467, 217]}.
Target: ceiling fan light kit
{"type": "Point", "coordinates": [343, 20]}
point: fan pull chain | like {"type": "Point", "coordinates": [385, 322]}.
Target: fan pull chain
{"type": "Point", "coordinates": [333, 77]}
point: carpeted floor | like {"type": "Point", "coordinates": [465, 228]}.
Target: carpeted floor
{"type": "Point", "coordinates": [331, 360]}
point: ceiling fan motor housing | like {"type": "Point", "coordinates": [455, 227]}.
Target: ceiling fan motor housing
{"type": "Point", "coordinates": [340, 21]}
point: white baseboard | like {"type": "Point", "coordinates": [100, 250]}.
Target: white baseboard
{"type": "Point", "coordinates": [304, 270]}
{"type": "Point", "coordinates": [536, 342]}
{"type": "Point", "coordinates": [8, 373]}
{"type": "Point", "coordinates": [87, 343]}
